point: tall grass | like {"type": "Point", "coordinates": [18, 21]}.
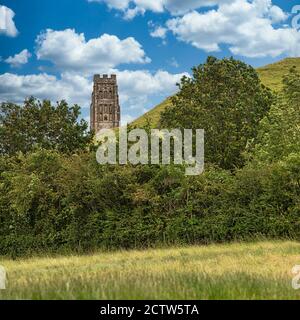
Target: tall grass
{"type": "Point", "coordinates": [235, 271]}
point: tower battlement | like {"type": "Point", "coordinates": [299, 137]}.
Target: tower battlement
{"type": "Point", "coordinates": [105, 108]}
{"type": "Point", "coordinates": [103, 78]}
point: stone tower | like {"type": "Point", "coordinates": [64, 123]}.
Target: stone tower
{"type": "Point", "coordinates": [105, 108]}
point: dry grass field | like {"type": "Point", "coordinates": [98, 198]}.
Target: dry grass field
{"type": "Point", "coordinates": [235, 271]}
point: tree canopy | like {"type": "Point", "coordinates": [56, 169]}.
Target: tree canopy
{"type": "Point", "coordinates": [40, 124]}
{"type": "Point", "coordinates": [227, 99]}
{"type": "Point", "coordinates": [279, 131]}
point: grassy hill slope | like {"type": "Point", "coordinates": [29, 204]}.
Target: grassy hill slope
{"type": "Point", "coordinates": [153, 115]}
{"type": "Point", "coordinates": [271, 75]}
{"type": "Point", "coordinates": [233, 271]}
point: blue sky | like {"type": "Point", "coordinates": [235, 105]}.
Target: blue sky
{"type": "Point", "coordinates": [51, 49]}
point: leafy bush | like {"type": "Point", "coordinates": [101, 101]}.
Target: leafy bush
{"type": "Point", "coordinates": [51, 202]}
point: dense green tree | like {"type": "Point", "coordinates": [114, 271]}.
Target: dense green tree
{"type": "Point", "coordinates": [227, 99]}
{"type": "Point", "coordinates": [41, 124]}
{"type": "Point", "coordinates": [279, 131]}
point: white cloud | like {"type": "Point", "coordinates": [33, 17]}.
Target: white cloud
{"type": "Point", "coordinates": [74, 89]}
{"type": "Point", "coordinates": [19, 59]}
{"type": "Point", "coordinates": [141, 85]}
{"type": "Point", "coordinates": [179, 7]}
{"type": "Point", "coordinates": [246, 27]}
{"type": "Point", "coordinates": [131, 13]}
{"type": "Point", "coordinates": [69, 51]}
{"type": "Point", "coordinates": [7, 25]}
{"type": "Point", "coordinates": [159, 32]}
{"type": "Point", "coordinates": [139, 90]}
{"type": "Point", "coordinates": [114, 4]}
{"type": "Point", "coordinates": [277, 14]}
{"type": "Point", "coordinates": [252, 28]}
{"type": "Point", "coordinates": [123, 5]}
{"type": "Point", "coordinates": [155, 6]}
{"type": "Point", "coordinates": [175, 7]}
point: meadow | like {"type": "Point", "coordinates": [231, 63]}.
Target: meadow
{"type": "Point", "coordinates": [257, 270]}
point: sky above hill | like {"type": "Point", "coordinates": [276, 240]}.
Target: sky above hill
{"type": "Point", "coordinates": [50, 49]}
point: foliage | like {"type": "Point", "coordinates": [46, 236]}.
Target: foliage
{"type": "Point", "coordinates": [55, 197]}
{"type": "Point", "coordinates": [51, 202]}
{"type": "Point", "coordinates": [279, 131]}
{"type": "Point", "coordinates": [227, 100]}
{"type": "Point", "coordinates": [39, 124]}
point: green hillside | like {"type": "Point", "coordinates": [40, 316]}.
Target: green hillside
{"type": "Point", "coordinates": [271, 75]}
{"type": "Point", "coordinates": [153, 115]}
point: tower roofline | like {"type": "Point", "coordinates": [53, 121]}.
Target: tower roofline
{"type": "Point", "coordinates": [98, 77]}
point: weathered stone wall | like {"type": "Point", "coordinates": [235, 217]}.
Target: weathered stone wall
{"type": "Point", "coordinates": [105, 108]}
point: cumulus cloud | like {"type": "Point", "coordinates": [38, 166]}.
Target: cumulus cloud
{"type": "Point", "coordinates": [179, 7]}
{"type": "Point", "coordinates": [7, 25]}
{"type": "Point", "coordinates": [247, 27]}
{"type": "Point", "coordinates": [131, 8]}
{"type": "Point", "coordinates": [159, 32]}
{"type": "Point", "coordinates": [16, 88]}
{"type": "Point", "coordinates": [115, 4]}
{"type": "Point", "coordinates": [139, 90]}
{"type": "Point", "coordinates": [19, 59]}
{"type": "Point", "coordinates": [69, 51]}
{"type": "Point", "coordinates": [131, 13]}
{"type": "Point", "coordinates": [138, 86]}
{"type": "Point", "coordinates": [251, 28]}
